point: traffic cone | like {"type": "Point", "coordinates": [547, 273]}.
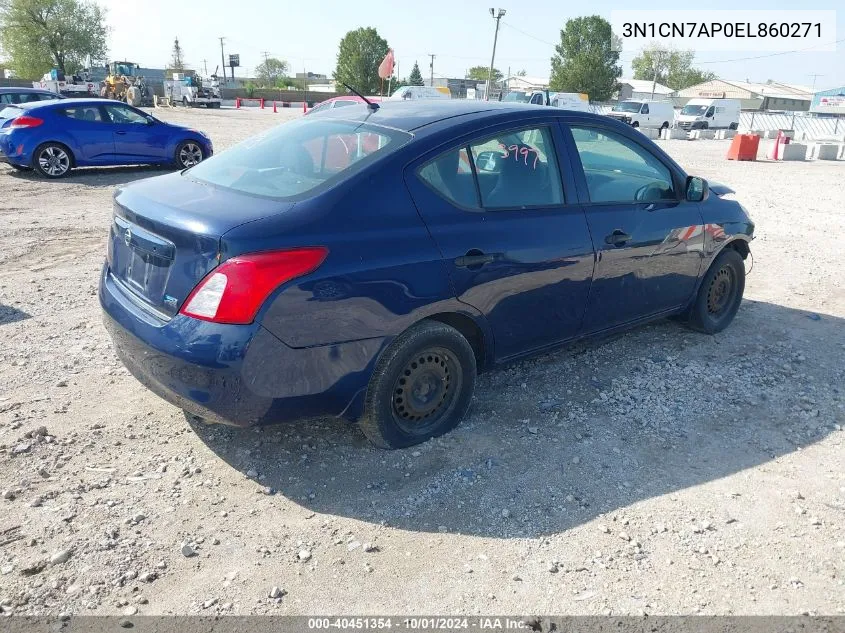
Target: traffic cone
{"type": "Point", "coordinates": [304, 107]}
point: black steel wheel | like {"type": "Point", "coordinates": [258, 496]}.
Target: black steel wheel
{"type": "Point", "coordinates": [719, 295]}
{"type": "Point", "coordinates": [421, 387]}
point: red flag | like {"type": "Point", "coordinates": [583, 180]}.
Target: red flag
{"type": "Point", "coordinates": [385, 69]}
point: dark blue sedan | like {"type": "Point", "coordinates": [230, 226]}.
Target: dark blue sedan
{"type": "Point", "coordinates": [53, 137]}
{"type": "Point", "coordinates": [368, 263]}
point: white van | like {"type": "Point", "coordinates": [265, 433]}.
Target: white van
{"type": "Point", "coordinates": [421, 92]}
{"type": "Point", "coordinates": [644, 114]}
{"type": "Point", "coordinates": [703, 114]}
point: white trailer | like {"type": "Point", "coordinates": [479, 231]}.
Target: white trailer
{"type": "Point", "coordinates": [78, 86]}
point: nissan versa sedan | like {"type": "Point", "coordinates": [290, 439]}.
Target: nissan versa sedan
{"type": "Point", "coordinates": [367, 262]}
{"type": "Point", "coordinates": [53, 137]}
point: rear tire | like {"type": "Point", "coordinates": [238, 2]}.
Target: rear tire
{"type": "Point", "coordinates": [719, 295]}
{"type": "Point", "coordinates": [52, 160]}
{"type": "Point", "coordinates": [665, 126]}
{"type": "Point", "coordinates": [188, 154]}
{"type": "Point", "coordinates": [421, 387]}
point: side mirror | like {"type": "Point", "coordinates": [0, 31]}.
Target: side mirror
{"type": "Point", "coordinates": [151, 120]}
{"type": "Point", "coordinates": [697, 189]}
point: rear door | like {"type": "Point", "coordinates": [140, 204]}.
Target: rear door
{"type": "Point", "coordinates": [501, 207]}
{"type": "Point", "coordinates": [648, 238]}
{"type": "Point", "coordinates": [135, 139]}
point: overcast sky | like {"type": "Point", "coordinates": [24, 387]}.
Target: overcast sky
{"type": "Point", "coordinates": [460, 32]}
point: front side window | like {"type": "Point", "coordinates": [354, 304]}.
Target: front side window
{"type": "Point", "coordinates": [645, 109]}
{"type": "Point", "coordinates": [299, 157]}
{"type": "Point", "coordinates": [123, 115]}
{"type": "Point", "coordinates": [619, 170]}
{"type": "Point", "coordinates": [710, 111]}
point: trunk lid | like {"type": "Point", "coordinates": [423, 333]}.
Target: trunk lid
{"type": "Point", "coordinates": [165, 236]}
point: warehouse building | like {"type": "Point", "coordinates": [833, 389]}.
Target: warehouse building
{"type": "Point", "coordinates": [829, 102]}
{"type": "Point", "coordinates": [753, 96]}
{"type": "Point", "coordinates": [639, 89]}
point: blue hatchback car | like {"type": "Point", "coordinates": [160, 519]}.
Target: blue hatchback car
{"type": "Point", "coordinates": [368, 263]}
{"type": "Point", "coordinates": [53, 137]}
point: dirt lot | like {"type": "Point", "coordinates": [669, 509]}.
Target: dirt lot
{"type": "Point", "coordinates": [662, 472]}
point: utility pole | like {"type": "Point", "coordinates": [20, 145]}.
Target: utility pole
{"type": "Point", "coordinates": [266, 55]}
{"type": "Point", "coordinates": [205, 67]}
{"type": "Point", "coordinates": [496, 15]}
{"type": "Point", "coordinates": [223, 61]}
{"type": "Point", "coordinates": [431, 66]}
{"type": "Point", "coordinates": [814, 80]}
{"type": "Point", "coordinates": [658, 58]}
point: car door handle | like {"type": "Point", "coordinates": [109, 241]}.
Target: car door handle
{"type": "Point", "coordinates": [618, 238]}
{"type": "Point", "coordinates": [121, 132]}
{"type": "Point", "coordinates": [473, 260]}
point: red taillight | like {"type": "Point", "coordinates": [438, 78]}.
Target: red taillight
{"type": "Point", "coordinates": [25, 121]}
{"type": "Point", "coordinates": [234, 291]}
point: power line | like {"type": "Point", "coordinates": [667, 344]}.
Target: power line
{"type": "Point", "coordinates": [798, 50]}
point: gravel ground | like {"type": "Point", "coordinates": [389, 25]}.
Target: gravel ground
{"type": "Point", "coordinates": [659, 472]}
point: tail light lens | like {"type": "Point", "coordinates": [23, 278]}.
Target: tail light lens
{"type": "Point", "coordinates": [25, 121]}
{"type": "Point", "coordinates": [235, 291]}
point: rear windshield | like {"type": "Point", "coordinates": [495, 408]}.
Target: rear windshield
{"type": "Point", "coordinates": [9, 112]}
{"type": "Point", "coordinates": [298, 158]}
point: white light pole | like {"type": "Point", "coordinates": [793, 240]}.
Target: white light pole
{"type": "Point", "coordinates": [496, 14]}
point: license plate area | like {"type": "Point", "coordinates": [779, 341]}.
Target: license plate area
{"type": "Point", "coordinates": [141, 260]}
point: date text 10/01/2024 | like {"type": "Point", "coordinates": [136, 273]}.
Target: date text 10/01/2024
{"type": "Point", "coordinates": [418, 624]}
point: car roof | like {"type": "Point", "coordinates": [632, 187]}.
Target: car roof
{"type": "Point", "coordinates": [23, 90]}
{"type": "Point", "coordinates": [66, 103]}
{"type": "Point", "coordinates": [412, 115]}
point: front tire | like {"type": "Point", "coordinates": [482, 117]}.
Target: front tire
{"type": "Point", "coordinates": [421, 387]}
{"type": "Point", "coordinates": [719, 295]}
{"type": "Point", "coordinates": [52, 160]}
{"type": "Point", "coordinates": [188, 154]}
{"type": "Point", "coordinates": [635, 124]}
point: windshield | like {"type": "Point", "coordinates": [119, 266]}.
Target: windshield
{"type": "Point", "coordinates": [694, 110]}
{"type": "Point", "coordinates": [627, 106]}
{"type": "Point", "coordinates": [299, 157]}
{"type": "Point", "coordinates": [522, 97]}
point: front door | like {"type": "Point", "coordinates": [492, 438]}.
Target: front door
{"type": "Point", "coordinates": [136, 140]}
{"type": "Point", "coordinates": [93, 135]}
{"type": "Point", "coordinates": [512, 236]}
{"type": "Point", "coordinates": [648, 238]}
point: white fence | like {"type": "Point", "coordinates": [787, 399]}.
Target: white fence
{"type": "Point", "coordinates": [812, 127]}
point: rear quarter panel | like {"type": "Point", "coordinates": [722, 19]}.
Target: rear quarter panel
{"type": "Point", "coordinates": [383, 272]}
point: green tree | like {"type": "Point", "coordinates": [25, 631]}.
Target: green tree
{"type": "Point", "coordinates": [521, 73]}
{"type": "Point", "coordinates": [673, 68]}
{"type": "Point", "coordinates": [415, 78]}
{"type": "Point", "coordinates": [271, 70]}
{"type": "Point", "coordinates": [586, 60]}
{"type": "Point", "coordinates": [481, 73]}
{"type": "Point", "coordinates": [37, 35]}
{"type": "Point", "coordinates": [358, 58]}
{"type": "Point", "coordinates": [177, 59]}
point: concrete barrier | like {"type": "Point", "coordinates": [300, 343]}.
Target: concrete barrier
{"type": "Point", "coordinates": [827, 151]}
{"type": "Point", "coordinates": [649, 132]}
{"type": "Point", "coordinates": [794, 151]}
{"type": "Point", "coordinates": [674, 133]}
{"type": "Point", "coordinates": [705, 135]}
{"type": "Point", "coordinates": [723, 134]}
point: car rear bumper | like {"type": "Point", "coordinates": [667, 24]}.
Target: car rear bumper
{"type": "Point", "coordinates": [240, 375]}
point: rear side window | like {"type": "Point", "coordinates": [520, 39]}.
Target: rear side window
{"type": "Point", "coordinates": [6, 97]}
{"type": "Point", "coordinates": [299, 158]}
{"type": "Point", "coordinates": [83, 113]}
{"type": "Point", "coordinates": [450, 175]}
{"type": "Point", "coordinates": [513, 169]}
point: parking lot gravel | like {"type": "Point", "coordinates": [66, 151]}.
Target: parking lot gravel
{"type": "Point", "coordinates": [661, 471]}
